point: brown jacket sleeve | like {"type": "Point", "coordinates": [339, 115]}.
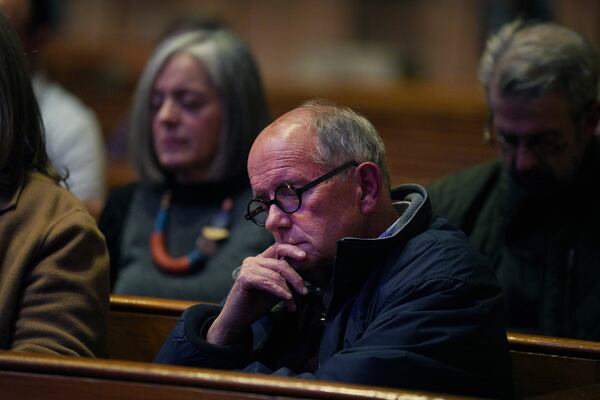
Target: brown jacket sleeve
{"type": "Point", "coordinates": [54, 284]}
{"type": "Point", "coordinates": [65, 298]}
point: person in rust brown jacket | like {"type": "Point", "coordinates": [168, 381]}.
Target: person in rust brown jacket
{"type": "Point", "coordinates": [54, 284]}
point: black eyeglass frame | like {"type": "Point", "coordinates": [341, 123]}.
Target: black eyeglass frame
{"type": "Point", "coordinates": [251, 214]}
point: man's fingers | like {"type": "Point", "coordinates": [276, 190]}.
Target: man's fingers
{"type": "Point", "coordinates": [283, 250]}
{"type": "Point", "coordinates": [294, 279]}
{"type": "Point", "coordinates": [286, 252]}
{"type": "Point", "coordinates": [265, 280]}
{"type": "Point", "coordinates": [280, 266]}
{"type": "Point", "coordinates": [270, 252]}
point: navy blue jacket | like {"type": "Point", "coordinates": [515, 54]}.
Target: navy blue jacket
{"type": "Point", "coordinates": [417, 310]}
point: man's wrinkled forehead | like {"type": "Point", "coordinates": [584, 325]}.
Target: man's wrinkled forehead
{"type": "Point", "coordinates": [293, 124]}
{"type": "Point", "coordinates": [282, 152]}
{"type": "Point", "coordinates": [291, 133]}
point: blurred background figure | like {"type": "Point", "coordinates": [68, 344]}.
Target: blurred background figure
{"type": "Point", "coordinates": [533, 213]}
{"type": "Point", "coordinates": [54, 283]}
{"type": "Point", "coordinates": [409, 66]}
{"type": "Point", "coordinates": [73, 137]}
{"type": "Point", "coordinates": [179, 231]}
{"type": "Point", "coordinates": [116, 143]}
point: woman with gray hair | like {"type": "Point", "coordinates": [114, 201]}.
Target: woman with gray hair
{"type": "Point", "coordinates": [179, 231]}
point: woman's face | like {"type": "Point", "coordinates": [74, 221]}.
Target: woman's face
{"type": "Point", "coordinates": [186, 119]}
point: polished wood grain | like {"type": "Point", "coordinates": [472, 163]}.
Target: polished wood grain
{"type": "Point", "coordinates": [554, 345]}
{"type": "Point", "coordinates": [29, 376]}
{"type": "Point", "coordinates": [149, 305]}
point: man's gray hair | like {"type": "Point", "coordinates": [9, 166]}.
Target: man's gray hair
{"type": "Point", "coordinates": [344, 135]}
{"type": "Point", "coordinates": [530, 60]}
{"type": "Point", "coordinates": [233, 71]}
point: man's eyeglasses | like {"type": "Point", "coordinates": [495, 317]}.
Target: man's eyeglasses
{"type": "Point", "coordinates": [539, 144]}
{"type": "Point", "coordinates": [287, 197]}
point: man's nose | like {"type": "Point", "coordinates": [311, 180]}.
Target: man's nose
{"type": "Point", "coordinates": [525, 159]}
{"type": "Point", "coordinates": [277, 219]}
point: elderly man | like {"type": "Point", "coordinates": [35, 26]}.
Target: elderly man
{"type": "Point", "coordinates": [356, 288]}
{"type": "Point", "coordinates": [534, 213]}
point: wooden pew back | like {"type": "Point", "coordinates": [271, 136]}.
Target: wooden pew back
{"type": "Point", "coordinates": [541, 365]}
{"type": "Point", "coordinates": [30, 376]}
{"type": "Point", "coordinates": [138, 326]}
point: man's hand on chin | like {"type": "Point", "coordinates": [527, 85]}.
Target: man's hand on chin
{"type": "Point", "coordinates": [263, 281]}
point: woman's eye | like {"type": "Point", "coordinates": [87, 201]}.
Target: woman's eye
{"type": "Point", "coordinates": [156, 100]}
{"type": "Point", "coordinates": [191, 103]}
{"type": "Point", "coordinates": [189, 100]}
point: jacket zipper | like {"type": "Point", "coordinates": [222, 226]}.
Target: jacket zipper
{"type": "Point", "coordinates": [322, 320]}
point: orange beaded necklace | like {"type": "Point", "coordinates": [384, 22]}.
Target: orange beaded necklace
{"type": "Point", "coordinates": [206, 245]}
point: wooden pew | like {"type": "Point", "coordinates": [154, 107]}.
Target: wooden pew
{"type": "Point", "coordinates": [30, 376]}
{"type": "Point", "coordinates": [138, 326]}
{"type": "Point", "coordinates": [541, 365]}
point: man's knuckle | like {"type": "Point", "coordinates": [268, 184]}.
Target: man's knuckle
{"type": "Point", "coordinates": [247, 261]}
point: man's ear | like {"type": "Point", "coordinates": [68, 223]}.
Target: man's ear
{"type": "Point", "coordinates": [370, 180]}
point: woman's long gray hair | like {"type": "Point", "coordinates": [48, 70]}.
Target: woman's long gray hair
{"type": "Point", "coordinates": [234, 73]}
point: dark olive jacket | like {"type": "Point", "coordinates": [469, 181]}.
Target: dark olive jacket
{"type": "Point", "coordinates": [545, 250]}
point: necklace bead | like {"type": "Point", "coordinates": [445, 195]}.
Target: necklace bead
{"type": "Point", "coordinates": [206, 245]}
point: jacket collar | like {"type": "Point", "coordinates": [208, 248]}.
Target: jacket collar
{"type": "Point", "coordinates": [356, 258]}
